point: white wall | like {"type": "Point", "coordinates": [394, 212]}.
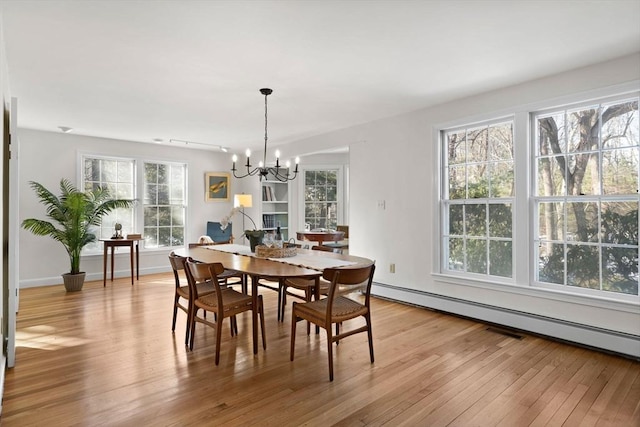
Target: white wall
{"type": "Point", "coordinates": [46, 157]}
{"type": "Point", "coordinates": [395, 160]}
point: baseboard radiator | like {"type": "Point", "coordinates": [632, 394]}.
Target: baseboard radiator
{"type": "Point", "coordinates": [623, 344]}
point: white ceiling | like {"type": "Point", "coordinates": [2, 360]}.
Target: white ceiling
{"type": "Point", "coordinates": [191, 70]}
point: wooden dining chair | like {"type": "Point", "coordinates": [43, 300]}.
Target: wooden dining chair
{"type": "Point", "coordinates": [337, 308]}
{"type": "Point", "coordinates": [228, 277]}
{"type": "Point", "coordinates": [225, 302]}
{"type": "Point", "coordinates": [304, 285]}
{"type": "Point", "coordinates": [182, 291]}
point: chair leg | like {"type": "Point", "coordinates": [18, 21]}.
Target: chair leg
{"type": "Point", "coordinates": [233, 325]}
{"type": "Point", "coordinates": [175, 312]}
{"type": "Point", "coordinates": [261, 313]}
{"type": "Point", "coordinates": [370, 335]}
{"type": "Point", "coordinates": [330, 351]}
{"type": "Point", "coordinates": [192, 328]}
{"type": "Point", "coordinates": [293, 330]}
{"type": "Point", "coordinates": [218, 338]}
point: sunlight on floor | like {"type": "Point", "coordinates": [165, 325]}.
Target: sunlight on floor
{"type": "Point", "coordinates": [45, 338]}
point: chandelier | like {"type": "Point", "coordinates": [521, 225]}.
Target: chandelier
{"type": "Point", "coordinates": [267, 172]}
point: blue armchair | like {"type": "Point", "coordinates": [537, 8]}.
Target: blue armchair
{"type": "Point", "coordinates": [219, 235]}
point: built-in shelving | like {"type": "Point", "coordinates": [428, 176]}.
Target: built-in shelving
{"type": "Point", "coordinates": [275, 205]}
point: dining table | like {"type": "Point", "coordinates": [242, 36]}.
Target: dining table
{"type": "Point", "coordinates": [305, 263]}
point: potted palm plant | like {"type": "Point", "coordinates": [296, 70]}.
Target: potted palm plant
{"type": "Point", "coordinates": [72, 215]}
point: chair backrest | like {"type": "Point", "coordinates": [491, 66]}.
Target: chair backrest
{"type": "Point", "coordinates": [344, 279]}
{"type": "Point", "coordinates": [177, 264]}
{"type": "Point", "coordinates": [199, 272]}
{"type": "Point", "coordinates": [217, 234]}
{"type": "Point", "coordinates": [326, 249]}
{"type": "Point", "coordinates": [345, 229]}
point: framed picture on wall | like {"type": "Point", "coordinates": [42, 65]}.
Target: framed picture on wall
{"type": "Point", "coordinates": [216, 187]}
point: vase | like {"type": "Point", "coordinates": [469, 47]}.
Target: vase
{"type": "Point", "coordinates": [73, 282]}
{"type": "Point", "coordinates": [255, 238]}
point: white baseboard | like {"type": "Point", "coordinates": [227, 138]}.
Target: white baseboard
{"type": "Point", "coordinates": [57, 280]}
{"type": "Point", "coordinates": [617, 342]}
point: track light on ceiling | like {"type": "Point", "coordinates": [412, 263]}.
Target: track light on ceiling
{"type": "Point", "coordinates": [267, 172]}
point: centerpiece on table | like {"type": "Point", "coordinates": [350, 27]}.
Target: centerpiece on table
{"type": "Point", "coordinates": [255, 236]}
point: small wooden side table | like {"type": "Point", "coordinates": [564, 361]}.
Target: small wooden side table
{"type": "Point", "coordinates": [113, 243]}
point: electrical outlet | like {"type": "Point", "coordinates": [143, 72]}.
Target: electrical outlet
{"type": "Point", "coordinates": [392, 268]}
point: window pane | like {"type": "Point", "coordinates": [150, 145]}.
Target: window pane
{"type": "Point", "coordinates": [500, 220]}
{"type": "Point", "coordinates": [177, 215]}
{"type": "Point", "coordinates": [177, 236]}
{"type": "Point", "coordinates": [622, 129]}
{"type": "Point", "coordinates": [580, 123]}
{"type": "Point", "coordinates": [150, 216]}
{"type": "Point", "coordinates": [551, 263]}
{"type": "Point", "coordinates": [477, 145]}
{"type": "Point", "coordinates": [109, 171]}
{"type": "Point", "coordinates": [457, 183]}
{"type": "Point", "coordinates": [163, 174]}
{"type": "Point", "coordinates": [582, 222]}
{"type": "Point", "coordinates": [620, 223]}
{"type": "Point", "coordinates": [456, 147]}
{"type": "Point", "coordinates": [583, 266]}
{"type": "Point", "coordinates": [500, 260]}
{"type": "Point", "coordinates": [502, 181]}
{"type": "Point", "coordinates": [620, 270]}
{"type": "Point", "coordinates": [551, 176]}
{"type": "Point", "coordinates": [477, 181]}
{"type": "Point", "coordinates": [456, 220]}
{"type": "Point", "coordinates": [551, 135]}
{"type": "Point", "coordinates": [456, 254]}
{"type": "Point", "coordinates": [476, 220]}
{"type": "Point", "coordinates": [151, 173]}
{"type": "Point", "coordinates": [620, 171]}
{"type": "Point", "coordinates": [477, 256]}
{"type": "Point", "coordinates": [163, 194]}
{"type": "Point", "coordinates": [164, 216]}
{"type": "Point", "coordinates": [583, 169]}
{"type": "Point", "coordinates": [501, 142]}
{"type": "Point", "coordinates": [151, 194]}
{"type": "Point", "coordinates": [551, 221]}
{"type": "Point", "coordinates": [164, 237]}
{"type": "Point", "coordinates": [125, 171]}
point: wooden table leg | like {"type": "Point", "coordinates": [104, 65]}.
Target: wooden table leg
{"type": "Point", "coordinates": [137, 260]}
{"type": "Point", "coordinates": [104, 266]}
{"type": "Point", "coordinates": [113, 249]}
{"type": "Point", "coordinates": [254, 312]}
{"type": "Point", "coordinates": [131, 257]}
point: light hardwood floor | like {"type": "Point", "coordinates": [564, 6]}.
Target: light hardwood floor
{"type": "Point", "coordinates": [106, 356]}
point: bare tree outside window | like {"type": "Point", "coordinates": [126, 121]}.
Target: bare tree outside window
{"type": "Point", "coordinates": [587, 173]}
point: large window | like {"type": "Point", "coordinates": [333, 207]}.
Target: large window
{"type": "Point", "coordinates": [578, 176]}
{"type": "Point", "coordinates": [118, 176]}
{"type": "Point", "coordinates": [478, 195]}
{"type": "Point", "coordinates": [321, 198]}
{"type": "Point", "coordinates": [586, 196]}
{"type": "Point", "coordinates": [160, 215]}
{"type": "Point", "coordinates": [164, 204]}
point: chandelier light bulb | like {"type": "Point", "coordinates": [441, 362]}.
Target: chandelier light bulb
{"type": "Point", "coordinates": [277, 154]}
{"type": "Point", "coordinates": [248, 153]}
{"type": "Point", "coordinates": [234, 158]}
